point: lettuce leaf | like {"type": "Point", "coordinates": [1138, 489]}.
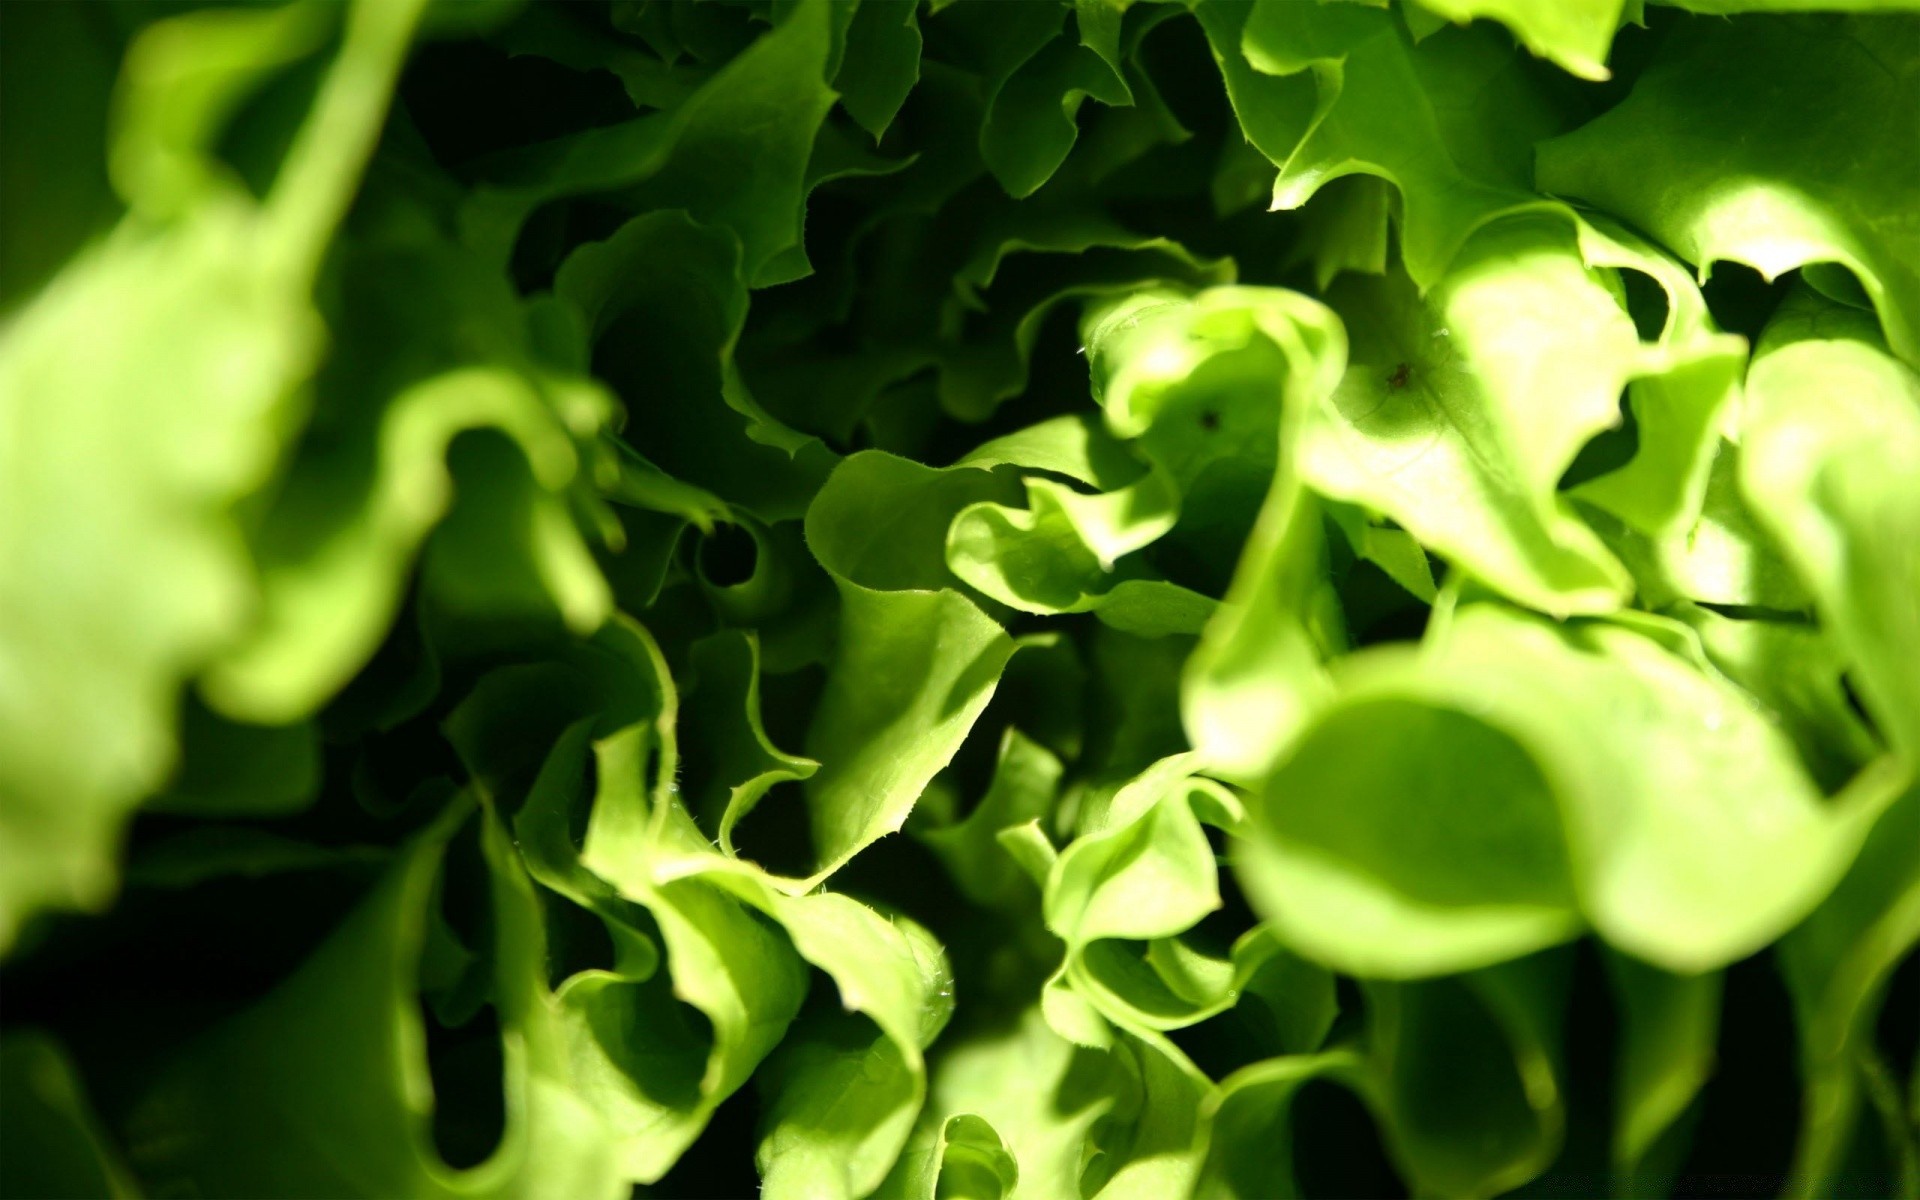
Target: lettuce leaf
{"type": "Point", "coordinates": [1193, 601]}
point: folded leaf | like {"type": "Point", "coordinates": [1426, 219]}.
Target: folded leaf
{"type": "Point", "coordinates": [1528, 827]}
{"type": "Point", "coordinates": [1483, 392]}
{"type": "Point", "coordinates": [1727, 166]}
{"type": "Point", "coordinates": [1832, 441]}
{"type": "Point", "coordinates": [323, 1083]}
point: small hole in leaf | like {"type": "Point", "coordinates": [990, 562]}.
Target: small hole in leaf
{"type": "Point", "coordinates": [1646, 303]}
{"type": "Point", "coordinates": [466, 888]}
{"type": "Point", "coordinates": [1379, 609]}
{"type": "Point", "coordinates": [728, 556]}
{"type": "Point", "coordinates": [713, 1168]}
{"type": "Point", "coordinates": [787, 703]}
{"type": "Point", "coordinates": [577, 940]}
{"type": "Point", "coordinates": [469, 1100]}
{"type": "Point", "coordinates": [1588, 1078]}
{"type": "Point", "coordinates": [1853, 700]}
{"type": "Point", "coordinates": [1750, 1109]}
{"type": "Point", "coordinates": [1336, 1146]}
{"type": "Point", "coordinates": [1898, 1028]}
{"type": "Point", "coordinates": [1349, 1012]}
{"type": "Point", "coordinates": [387, 767]}
{"type": "Point", "coordinates": [1741, 299]}
{"type": "Point", "coordinates": [468, 99]}
{"type": "Point", "coordinates": [777, 834]}
{"type": "Point", "coordinates": [553, 231]}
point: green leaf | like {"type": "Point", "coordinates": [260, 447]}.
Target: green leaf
{"type": "Point", "coordinates": [1344, 228]}
{"type": "Point", "coordinates": [1796, 671]}
{"type": "Point", "coordinates": [1537, 828]}
{"type": "Point", "coordinates": [56, 79]}
{"type": "Point", "coordinates": [649, 82]}
{"type": "Point", "coordinates": [844, 1093]}
{"type": "Point", "coordinates": [1274, 108]}
{"type": "Point", "coordinates": [959, 1156]}
{"type": "Point", "coordinates": [913, 672]}
{"type": "Point", "coordinates": [1122, 891]}
{"type": "Point", "coordinates": [1026, 779]}
{"type": "Point", "coordinates": [1392, 549]}
{"type": "Point", "coordinates": [1254, 359]}
{"type": "Point", "coordinates": [1033, 81]}
{"type": "Point", "coordinates": [323, 1083]}
{"type": "Point", "coordinates": [916, 662]}
{"type": "Point", "coordinates": [116, 594]}
{"type": "Point", "coordinates": [1055, 555]}
{"type": "Point", "coordinates": [1450, 122]}
{"type": "Point", "coordinates": [466, 384]}
{"type": "Point", "coordinates": [1011, 1081]}
{"type": "Point", "coordinates": [826, 1135]}
{"type": "Point", "coordinates": [1061, 553]}
{"type": "Point", "coordinates": [1463, 889]}
{"type": "Point", "coordinates": [1445, 397]}
{"type": "Point", "coordinates": [642, 1056]}
{"type": "Point", "coordinates": [1132, 1110]}
{"type": "Point", "coordinates": [544, 827]}
{"type": "Point", "coordinates": [662, 303]}
{"type": "Point", "coordinates": [733, 154]}
{"type": "Point", "coordinates": [233, 770]}
{"type": "Point", "coordinates": [1575, 35]}
{"type": "Point", "coordinates": [1837, 965]}
{"type": "Point", "coordinates": [1723, 556]}
{"type": "Point", "coordinates": [1468, 1075]}
{"type": "Point", "coordinates": [47, 1112]}
{"type": "Point", "coordinates": [1146, 1145]}
{"type": "Point", "coordinates": [837, 154]}
{"type": "Point", "coordinates": [335, 565]}
{"type": "Point", "coordinates": [1669, 1028]}
{"type": "Point", "coordinates": [1679, 386]}
{"type": "Point", "coordinates": [656, 1050]}
{"type": "Point", "coordinates": [1244, 1157]}
{"type": "Point", "coordinates": [882, 63]}
{"type": "Point", "coordinates": [723, 739]}
{"type": "Point", "coordinates": [1727, 165]}
{"type": "Point", "coordinates": [1831, 444]}
{"type": "Point", "coordinates": [183, 81]}
{"type": "Point", "coordinates": [1101, 260]}
{"type": "Point", "coordinates": [881, 521]}
{"type": "Point", "coordinates": [1030, 128]}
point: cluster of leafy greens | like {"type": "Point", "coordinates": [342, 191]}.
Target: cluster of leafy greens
{"type": "Point", "coordinates": [907, 598]}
